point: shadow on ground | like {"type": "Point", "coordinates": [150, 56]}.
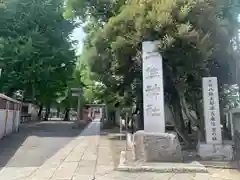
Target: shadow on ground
{"type": "Point", "coordinates": [36, 142]}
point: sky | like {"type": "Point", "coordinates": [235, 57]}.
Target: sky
{"type": "Point", "coordinates": [78, 35]}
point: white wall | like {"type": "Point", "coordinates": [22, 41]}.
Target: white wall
{"type": "Point", "coordinates": [17, 120]}
{"type": "Point", "coordinates": [8, 121]}
{"type": "Point", "coordinates": [2, 122]}
{"type": "Point", "coordinates": [9, 126]}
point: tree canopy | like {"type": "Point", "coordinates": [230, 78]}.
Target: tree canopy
{"type": "Point", "coordinates": [195, 38]}
{"type": "Point", "coordinates": [36, 52]}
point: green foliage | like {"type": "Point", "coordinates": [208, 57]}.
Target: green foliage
{"type": "Point", "coordinates": [99, 9]}
{"type": "Point", "coordinates": [36, 52]}
{"type": "Point", "coordinates": [195, 38]}
{"type": "Point", "coordinates": [230, 95]}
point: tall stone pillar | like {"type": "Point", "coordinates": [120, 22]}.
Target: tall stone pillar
{"type": "Point", "coordinates": [153, 144]}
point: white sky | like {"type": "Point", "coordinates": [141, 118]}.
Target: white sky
{"type": "Point", "coordinates": [78, 35]}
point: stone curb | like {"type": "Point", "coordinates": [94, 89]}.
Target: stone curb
{"type": "Point", "coordinates": [193, 167]}
{"type": "Point", "coordinates": [221, 165]}
{"type": "Point", "coordinates": [162, 169]}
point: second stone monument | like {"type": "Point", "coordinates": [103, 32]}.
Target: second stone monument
{"type": "Point", "coordinates": [153, 144]}
{"type": "Point", "coordinates": [213, 148]}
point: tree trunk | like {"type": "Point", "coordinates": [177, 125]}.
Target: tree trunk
{"type": "Point", "coordinates": [113, 119]}
{"type": "Point", "coordinates": [66, 116]}
{"type": "Point", "coordinates": [139, 112]}
{"type": "Point", "coordinates": [195, 121]}
{"type": "Point", "coordinates": [179, 109]}
{"type": "Point", "coordinates": [10, 92]}
{"type": "Point", "coordinates": [132, 123]}
{"type": "Point", "coordinates": [81, 113]}
{"type": "Point", "coordinates": [178, 118]}
{"type": "Point", "coordinates": [186, 111]}
{"type": "Point", "coordinates": [58, 112]}
{"type": "Point", "coordinates": [47, 113]}
{"type": "Point", "coordinates": [141, 117]}
{"type": "Point", "coordinates": [177, 124]}
{"type": "Point", "coordinates": [221, 107]}
{"type": "Point", "coordinates": [40, 112]}
{"type": "Point", "coordinates": [189, 127]}
{"type": "Point", "coordinates": [199, 113]}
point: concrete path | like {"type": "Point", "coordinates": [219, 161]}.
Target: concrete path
{"type": "Point", "coordinates": [35, 143]}
{"type": "Point", "coordinates": [54, 151]}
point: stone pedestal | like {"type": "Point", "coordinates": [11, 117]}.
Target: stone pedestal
{"type": "Point", "coordinates": [156, 147]}
{"type": "Point", "coordinates": [217, 152]}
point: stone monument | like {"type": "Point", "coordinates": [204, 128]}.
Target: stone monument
{"type": "Point", "coordinates": [153, 144]}
{"type": "Point", "coordinates": [213, 148]}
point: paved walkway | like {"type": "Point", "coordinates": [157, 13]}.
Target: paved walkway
{"type": "Point", "coordinates": [53, 151]}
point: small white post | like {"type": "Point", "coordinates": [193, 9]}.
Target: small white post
{"type": "Point", "coordinates": [79, 108]}
{"type": "Point", "coordinates": [231, 124]}
{"type": "Point", "coordinates": [120, 128]}
{"type": "Point", "coordinates": [126, 126]}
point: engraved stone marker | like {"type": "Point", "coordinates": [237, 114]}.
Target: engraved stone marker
{"type": "Point", "coordinates": [211, 111]}
{"type": "Point", "coordinates": [153, 98]}
{"type": "Point", "coordinates": [153, 144]}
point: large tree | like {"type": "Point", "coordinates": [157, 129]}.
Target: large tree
{"type": "Point", "coordinates": [194, 37]}
{"type": "Point", "coordinates": [36, 51]}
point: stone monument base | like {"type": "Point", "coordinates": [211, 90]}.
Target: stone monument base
{"type": "Point", "coordinates": [156, 147]}
{"type": "Point", "coordinates": [217, 152]}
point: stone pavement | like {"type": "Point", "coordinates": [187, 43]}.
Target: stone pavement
{"type": "Point", "coordinates": [86, 156]}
